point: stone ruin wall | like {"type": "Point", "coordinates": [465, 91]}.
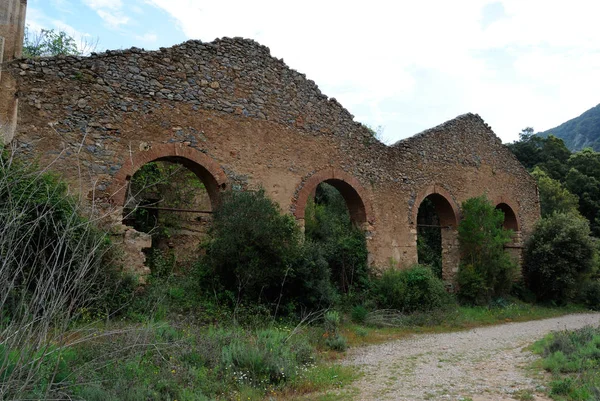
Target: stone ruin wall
{"type": "Point", "coordinates": [253, 122]}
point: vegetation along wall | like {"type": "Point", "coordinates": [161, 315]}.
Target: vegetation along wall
{"type": "Point", "coordinates": [241, 119]}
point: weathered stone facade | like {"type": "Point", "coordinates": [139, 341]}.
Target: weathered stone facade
{"type": "Point", "coordinates": [240, 118]}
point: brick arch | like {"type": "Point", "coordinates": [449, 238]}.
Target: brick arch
{"type": "Point", "coordinates": [511, 221]}
{"type": "Point", "coordinates": [359, 205]}
{"type": "Point", "coordinates": [205, 168]}
{"type": "Point", "coordinates": [447, 210]}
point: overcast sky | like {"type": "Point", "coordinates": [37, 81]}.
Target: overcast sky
{"type": "Point", "coordinates": [403, 65]}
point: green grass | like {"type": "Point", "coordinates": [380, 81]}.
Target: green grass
{"type": "Point", "coordinates": [573, 359]}
{"type": "Point", "coordinates": [453, 319]}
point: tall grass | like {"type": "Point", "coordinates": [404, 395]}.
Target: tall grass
{"type": "Point", "coordinates": [573, 358]}
{"type": "Point", "coordinates": [51, 268]}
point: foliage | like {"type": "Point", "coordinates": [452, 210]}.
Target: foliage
{"type": "Point", "coordinates": [429, 239]}
{"type": "Point", "coordinates": [166, 362]}
{"type": "Point", "coordinates": [550, 154]}
{"type": "Point", "coordinates": [49, 43]}
{"type": "Point", "coordinates": [167, 185]}
{"type": "Point", "coordinates": [255, 252]}
{"type": "Point", "coordinates": [573, 358]}
{"type": "Point", "coordinates": [557, 255]}
{"type": "Point", "coordinates": [410, 290]}
{"type": "Point", "coordinates": [558, 171]}
{"type": "Point", "coordinates": [554, 197]}
{"type": "Point", "coordinates": [333, 339]}
{"type": "Point", "coordinates": [591, 294]}
{"type": "Point", "coordinates": [55, 267]}
{"type": "Point", "coordinates": [328, 224]}
{"type": "Point", "coordinates": [486, 269]}
{"type": "Point", "coordinates": [359, 314]}
{"type": "Point", "coordinates": [587, 189]}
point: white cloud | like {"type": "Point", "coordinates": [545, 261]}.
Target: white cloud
{"type": "Point", "coordinates": [398, 63]}
{"type": "Point", "coordinates": [113, 20]}
{"type": "Point", "coordinates": [110, 11]}
{"type": "Point", "coordinates": [101, 4]}
{"type": "Point", "coordinates": [149, 37]}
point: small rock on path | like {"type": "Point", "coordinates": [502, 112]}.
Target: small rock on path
{"type": "Point", "coordinates": [484, 364]}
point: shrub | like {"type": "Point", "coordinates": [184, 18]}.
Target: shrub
{"type": "Point", "coordinates": [333, 339]}
{"type": "Point", "coordinates": [253, 247]}
{"type": "Point", "coordinates": [54, 268]}
{"type": "Point", "coordinates": [487, 270]}
{"type": "Point", "coordinates": [591, 295]}
{"type": "Point", "coordinates": [344, 247]}
{"type": "Point", "coordinates": [256, 254]}
{"type": "Point", "coordinates": [359, 314]}
{"type": "Point", "coordinates": [410, 290]}
{"type": "Point", "coordinates": [558, 254]}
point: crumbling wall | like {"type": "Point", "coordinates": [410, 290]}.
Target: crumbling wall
{"type": "Point", "coordinates": [252, 122]}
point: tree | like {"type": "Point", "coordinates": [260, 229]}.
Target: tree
{"type": "Point", "coordinates": [549, 153]}
{"type": "Point", "coordinates": [554, 197]}
{"type": "Point", "coordinates": [486, 269]}
{"type": "Point", "coordinates": [558, 254]}
{"type": "Point", "coordinates": [49, 43]}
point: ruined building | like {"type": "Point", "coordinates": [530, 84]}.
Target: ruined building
{"type": "Point", "coordinates": [240, 118]}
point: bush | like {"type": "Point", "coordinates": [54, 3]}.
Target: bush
{"type": "Point", "coordinates": [486, 269]}
{"type": "Point", "coordinates": [344, 247]}
{"type": "Point", "coordinates": [333, 339]}
{"type": "Point", "coordinates": [359, 314]}
{"type": "Point", "coordinates": [558, 254]}
{"type": "Point", "coordinates": [54, 269]}
{"type": "Point", "coordinates": [591, 295]}
{"type": "Point", "coordinates": [256, 254]}
{"type": "Point", "coordinates": [410, 290]}
{"type": "Point", "coordinates": [253, 247]}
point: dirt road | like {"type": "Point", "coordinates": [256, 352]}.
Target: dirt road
{"type": "Point", "coordinates": [483, 364]}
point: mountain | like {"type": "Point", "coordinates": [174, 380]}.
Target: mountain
{"type": "Point", "coordinates": [580, 132]}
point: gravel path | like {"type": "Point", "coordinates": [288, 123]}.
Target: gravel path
{"type": "Point", "coordinates": [485, 364]}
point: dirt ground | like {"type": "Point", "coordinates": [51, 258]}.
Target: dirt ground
{"type": "Point", "coordinates": [482, 364]}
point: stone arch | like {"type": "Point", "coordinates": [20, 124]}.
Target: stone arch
{"type": "Point", "coordinates": [449, 217]}
{"type": "Point", "coordinates": [445, 206]}
{"type": "Point", "coordinates": [205, 168]}
{"type": "Point", "coordinates": [511, 222]}
{"type": "Point", "coordinates": [359, 206]}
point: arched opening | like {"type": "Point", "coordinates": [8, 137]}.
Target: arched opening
{"type": "Point", "coordinates": [341, 241]}
{"type": "Point", "coordinates": [348, 187]}
{"type": "Point", "coordinates": [136, 244]}
{"type": "Point", "coordinates": [510, 218]}
{"type": "Point", "coordinates": [171, 199]}
{"type": "Point", "coordinates": [334, 216]}
{"type": "Point", "coordinates": [437, 221]}
{"type": "Point", "coordinates": [511, 222]}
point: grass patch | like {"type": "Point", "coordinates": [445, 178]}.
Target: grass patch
{"type": "Point", "coordinates": [393, 325]}
{"type": "Point", "coordinates": [573, 359]}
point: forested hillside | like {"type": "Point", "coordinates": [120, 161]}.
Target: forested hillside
{"type": "Point", "coordinates": [580, 132]}
{"type": "Point", "coordinates": [568, 182]}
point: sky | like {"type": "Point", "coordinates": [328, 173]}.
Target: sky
{"type": "Point", "coordinates": [404, 66]}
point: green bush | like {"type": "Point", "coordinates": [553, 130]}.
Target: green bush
{"type": "Point", "coordinates": [573, 358]}
{"type": "Point", "coordinates": [558, 254]}
{"type": "Point", "coordinates": [486, 270]}
{"type": "Point", "coordinates": [55, 269]}
{"type": "Point", "coordinates": [255, 254]}
{"type": "Point", "coordinates": [344, 247]}
{"type": "Point", "coordinates": [267, 360]}
{"type": "Point", "coordinates": [359, 314]}
{"type": "Point", "coordinates": [333, 339]}
{"type": "Point", "coordinates": [253, 246]}
{"type": "Point", "coordinates": [410, 290]}
{"type": "Point", "coordinates": [591, 294]}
